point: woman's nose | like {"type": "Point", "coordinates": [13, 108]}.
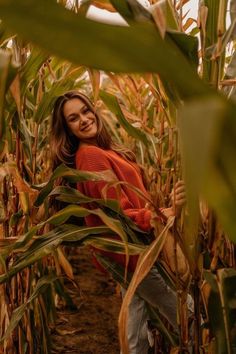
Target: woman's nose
{"type": "Point", "coordinates": [83, 118]}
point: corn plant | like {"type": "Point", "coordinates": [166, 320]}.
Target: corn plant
{"type": "Point", "coordinates": [30, 80]}
{"type": "Point", "coordinates": [172, 109]}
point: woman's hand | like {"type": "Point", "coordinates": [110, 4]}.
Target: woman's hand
{"type": "Point", "coordinates": [178, 197]}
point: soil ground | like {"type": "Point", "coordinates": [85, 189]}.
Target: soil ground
{"type": "Point", "coordinates": [92, 327]}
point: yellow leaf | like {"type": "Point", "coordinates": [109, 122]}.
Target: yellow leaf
{"type": "Point", "coordinates": [65, 263]}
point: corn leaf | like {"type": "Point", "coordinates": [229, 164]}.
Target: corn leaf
{"type": "Point", "coordinates": [221, 308]}
{"type": "Point", "coordinates": [209, 158]}
{"type": "Point", "coordinates": [7, 74]}
{"type": "Point", "coordinates": [18, 313]}
{"type": "Point", "coordinates": [115, 246]}
{"type": "Point", "coordinates": [113, 104]}
{"type": "Point", "coordinates": [49, 97]}
{"type": "Point", "coordinates": [146, 261]}
{"type": "Point", "coordinates": [138, 48]}
{"type": "Point", "coordinates": [72, 175]}
{"type": "Point", "coordinates": [46, 244]}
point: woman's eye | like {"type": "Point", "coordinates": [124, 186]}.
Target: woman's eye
{"type": "Point", "coordinates": [73, 119]}
{"type": "Point", "coordinates": [86, 110]}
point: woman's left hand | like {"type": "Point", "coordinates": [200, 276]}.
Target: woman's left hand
{"type": "Point", "coordinates": [178, 197]}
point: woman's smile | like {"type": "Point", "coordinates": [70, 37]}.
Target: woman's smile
{"type": "Point", "coordinates": [87, 127]}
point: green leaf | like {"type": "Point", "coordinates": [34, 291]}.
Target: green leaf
{"type": "Point", "coordinates": [110, 206]}
{"type": "Point", "coordinates": [25, 135]}
{"type": "Point", "coordinates": [208, 132]}
{"type": "Point", "coordinates": [131, 10]}
{"type": "Point", "coordinates": [115, 246]}
{"type": "Point", "coordinates": [169, 12]}
{"type": "Point", "coordinates": [8, 72]}
{"type": "Point", "coordinates": [222, 308]}
{"type": "Point", "coordinates": [233, 17]}
{"type": "Point", "coordinates": [64, 214]}
{"type": "Point", "coordinates": [31, 67]}
{"type": "Point", "coordinates": [71, 175]}
{"type": "Point", "coordinates": [227, 290]}
{"type": "Point", "coordinates": [46, 244]}
{"type": "Point", "coordinates": [188, 46]}
{"type": "Point", "coordinates": [72, 195]}
{"type": "Point", "coordinates": [113, 104]}
{"type": "Point", "coordinates": [138, 48]}
{"type": "Point", "coordinates": [124, 9]}
{"type": "Point", "coordinates": [58, 88]}
{"type": "Point", "coordinates": [18, 313]}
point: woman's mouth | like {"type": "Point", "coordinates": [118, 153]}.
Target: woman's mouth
{"type": "Point", "coordinates": [86, 127]}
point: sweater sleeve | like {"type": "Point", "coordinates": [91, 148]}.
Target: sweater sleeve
{"type": "Point", "coordinates": [94, 159]}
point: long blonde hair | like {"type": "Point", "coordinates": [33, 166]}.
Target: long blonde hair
{"type": "Point", "coordinates": [64, 144]}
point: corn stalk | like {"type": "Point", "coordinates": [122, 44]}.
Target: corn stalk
{"type": "Point", "coordinates": [151, 111]}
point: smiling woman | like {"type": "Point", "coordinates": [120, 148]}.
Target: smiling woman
{"type": "Point", "coordinates": [74, 123]}
{"type": "Point", "coordinates": [80, 139]}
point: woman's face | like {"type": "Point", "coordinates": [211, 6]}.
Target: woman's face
{"type": "Point", "coordinates": [80, 120]}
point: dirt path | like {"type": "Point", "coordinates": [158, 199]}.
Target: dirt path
{"type": "Point", "coordinates": [92, 328]}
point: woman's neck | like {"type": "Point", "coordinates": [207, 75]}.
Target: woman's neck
{"type": "Point", "coordinates": [88, 142]}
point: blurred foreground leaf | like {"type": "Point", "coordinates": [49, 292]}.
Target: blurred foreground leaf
{"type": "Point", "coordinates": [208, 130]}
{"type": "Point", "coordinates": [137, 48]}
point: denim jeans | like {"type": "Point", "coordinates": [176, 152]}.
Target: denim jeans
{"type": "Point", "coordinates": [155, 292]}
{"type": "Point", "coordinates": [137, 328]}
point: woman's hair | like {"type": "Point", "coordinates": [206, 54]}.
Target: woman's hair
{"type": "Point", "coordinates": [64, 144]}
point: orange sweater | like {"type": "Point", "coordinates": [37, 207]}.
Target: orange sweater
{"type": "Point", "coordinates": [94, 159]}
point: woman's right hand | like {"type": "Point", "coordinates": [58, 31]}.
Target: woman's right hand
{"type": "Point", "coordinates": [178, 197]}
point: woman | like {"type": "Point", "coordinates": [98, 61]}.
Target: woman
{"type": "Point", "coordinates": [80, 138]}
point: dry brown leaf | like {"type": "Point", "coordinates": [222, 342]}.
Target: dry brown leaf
{"type": "Point", "coordinates": [128, 115]}
{"type": "Point", "coordinates": [27, 195]}
{"type": "Point", "coordinates": [202, 19]}
{"type": "Point", "coordinates": [65, 332]}
{"type": "Point", "coordinates": [40, 89]}
{"type": "Point", "coordinates": [65, 264]}
{"type": "Point", "coordinates": [175, 350]}
{"type": "Point", "coordinates": [160, 20]}
{"type": "Point", "coordinates": [116, 80]}
{"type": "Point", "coordinates": [174, 258]}
{"type": "Point", "coordinates": [95, 80]}
{"type": "Point", "coordinates": [205, 292]}
{"type": "Point", "coordinates": [146, 261]}
{"type": "Point", "coordinates": [189, 23]}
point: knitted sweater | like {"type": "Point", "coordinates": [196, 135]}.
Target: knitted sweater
{"type": "Point", "coordinates": [94, 159]}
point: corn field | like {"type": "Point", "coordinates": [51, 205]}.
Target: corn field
{"type": "Point", "coordinates": [165, 85]}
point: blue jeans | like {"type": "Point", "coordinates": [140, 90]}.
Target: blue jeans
{"type": "Point", "coordinates": [153, 290]}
